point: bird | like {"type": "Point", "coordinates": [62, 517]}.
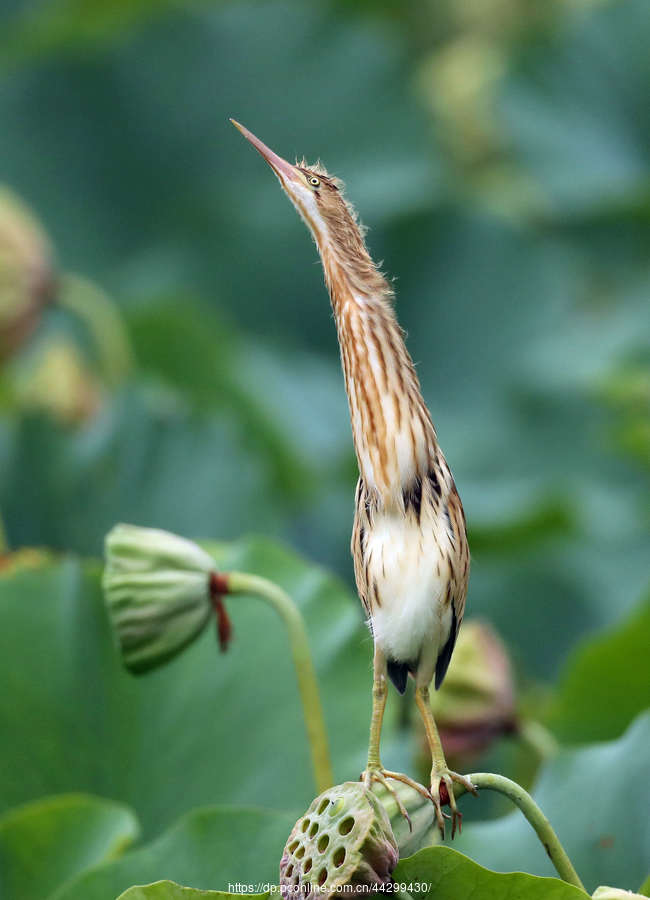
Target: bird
{"type": "Point", "coordinates": [409, 539]}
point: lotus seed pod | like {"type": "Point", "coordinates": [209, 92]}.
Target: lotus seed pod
{"type": "Point", "coordinates": [343, 843]}
{"type": "Point", "coordinates": [476, 703]}
{"type": "Point", "coordinates": [27, 278]}
{"type": "Point", "coordinates": [420, 830]}
{"type": "Point", "coordinates": [157, 590]}
{"type": "Point", "coordinates": [57, 379]}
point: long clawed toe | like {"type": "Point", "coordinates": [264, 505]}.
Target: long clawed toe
{"type": "Point", "coordinates": [447, 778]}
{"type": "Point", "coordinates": [441, 793]}
{"type": "Point", "coordinates": [382, 776]}
{"type": "Point", "coordinates": [437, 781]}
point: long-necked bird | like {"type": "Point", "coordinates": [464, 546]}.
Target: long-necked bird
{"type": "Point", "coordinates": [409, 541]}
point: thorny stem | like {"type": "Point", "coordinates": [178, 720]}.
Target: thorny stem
{"type": "Point", "coordinates": [242, 583]}
{"type": "Point", "coordinates": [487, 781]}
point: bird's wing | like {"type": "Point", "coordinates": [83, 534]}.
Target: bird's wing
{"type": "Point", "coordinates": [444, 657]}
{"type": "Point", "coordinates": [458, 581]}
{"type": "Point", "coordinates": [460, 573]}
{"type": "Point", "coordinates": [357, 546]}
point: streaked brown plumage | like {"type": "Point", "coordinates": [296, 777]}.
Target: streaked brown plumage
{"type": "Point", "coordinates": [409, 543]}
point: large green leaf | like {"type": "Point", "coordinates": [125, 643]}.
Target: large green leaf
{"type": "Point", "coordinates": [209, 848]}
{"type": "Point", "coordinates": [596, 798]}
{"type": "Point", "coordinates": [440, 873]}
{"type": "Point", "coordinates": [145, 458]}
{"type": "Point", "coordinates": [207, 727]}
{"type": "Point", "coordinates": [167, 890]}
{"type": "Point", "coordinates": [46, 843]}
{"type": "Point", "coordinates": [606, 683]}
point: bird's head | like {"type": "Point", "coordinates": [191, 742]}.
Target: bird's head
{"type": "Point", "coordinates": [318, 197]}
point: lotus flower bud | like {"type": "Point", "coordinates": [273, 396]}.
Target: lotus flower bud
{"type": "Point", "coordinates": [159, 593]}
{"type": "Point", "coordinates": [57, 379]}
{"type": "Point", "coordinates": [343, 843]}
{"type": "Point", "coordinates": [26, 272]}
{"type": "Point", "coordinates": [610, 893]}
{"type": "Point", "coordinates": [24, 558]}
{"type": "Point", "coordinates": [476, 702]}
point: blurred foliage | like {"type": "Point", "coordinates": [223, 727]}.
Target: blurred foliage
{"type": "Point", "coordinates": [606, 838]}
{"type": "Point", "coordinates": [215, 719]}
{"type": "Point", "coordinates": [168, 358]}
{"type": "Point", "coordinates": [233, 417]}
{"type": "Point", "coordinates": [45, 844]}
{"type": "Point", "coordinates": [203, 728]}
{"type": "Point", "coordinates": [617, 664]}
{"type": "Point", "coordinates": [208, 847]}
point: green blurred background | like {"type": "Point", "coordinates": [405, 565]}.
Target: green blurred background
{"type": "Point", "coordinates": [171, 359]}
{"type": "Point", "coordinates": [499, 154]}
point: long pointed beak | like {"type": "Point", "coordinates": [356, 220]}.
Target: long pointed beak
{"type": "Point", "coordinates": [283, 169]}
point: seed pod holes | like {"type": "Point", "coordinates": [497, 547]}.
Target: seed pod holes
{"type": "Point", "coordinates": [344, 838]}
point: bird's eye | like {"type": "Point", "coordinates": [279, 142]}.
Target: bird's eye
{"type": "Point", "coordinates": [314, 182]}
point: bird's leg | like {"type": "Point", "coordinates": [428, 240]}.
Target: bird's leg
{"type": "Point", "coordinates": [374, 771]}
{"type": "Point", "coordinates": [379, 695]}
{"type": "Point", "coordinates": [440, 772]}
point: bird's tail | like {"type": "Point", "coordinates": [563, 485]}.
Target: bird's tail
{"type": "Point", "coordinates": [398, 672]}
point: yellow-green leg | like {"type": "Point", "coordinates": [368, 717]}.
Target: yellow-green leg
{"type": "Point", "coordinates": [440, 772]}
{"type": "Point", "coordinates": [379, 695]}
{"type": "Point", "coordinates": [374, 771]}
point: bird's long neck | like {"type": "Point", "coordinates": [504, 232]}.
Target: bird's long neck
{"type": "Point", "coordinates": [394, 437]}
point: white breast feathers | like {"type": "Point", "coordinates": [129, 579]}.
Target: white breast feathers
{"type": "Point", "coordinates": [408, 568]}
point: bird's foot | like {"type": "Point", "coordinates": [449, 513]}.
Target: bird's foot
{"type": "Point", "coordinates": [442, 793]}
{"type": "Point", "coordinates": [379, 775]}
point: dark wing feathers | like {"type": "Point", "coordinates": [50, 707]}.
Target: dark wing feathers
{"type": "Point", "coordinates": [444, 657]}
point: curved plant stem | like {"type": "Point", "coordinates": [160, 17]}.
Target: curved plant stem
{"type": "Point", "coordinates": [487, 781]}
{"type": "Point", "coordinates": [103, 321]}
{"type": "Point", "coordinates": [242, 583]}
{"type": "Point", "coordinates": [539, 739]}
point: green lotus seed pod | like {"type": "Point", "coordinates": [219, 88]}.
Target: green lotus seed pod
{"type": "Point", "coordinates": [343, 843]}
{"type": "Point", "coordinates": [157, 590]}
{"type": "Point", "coordinates": [57, 379]}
